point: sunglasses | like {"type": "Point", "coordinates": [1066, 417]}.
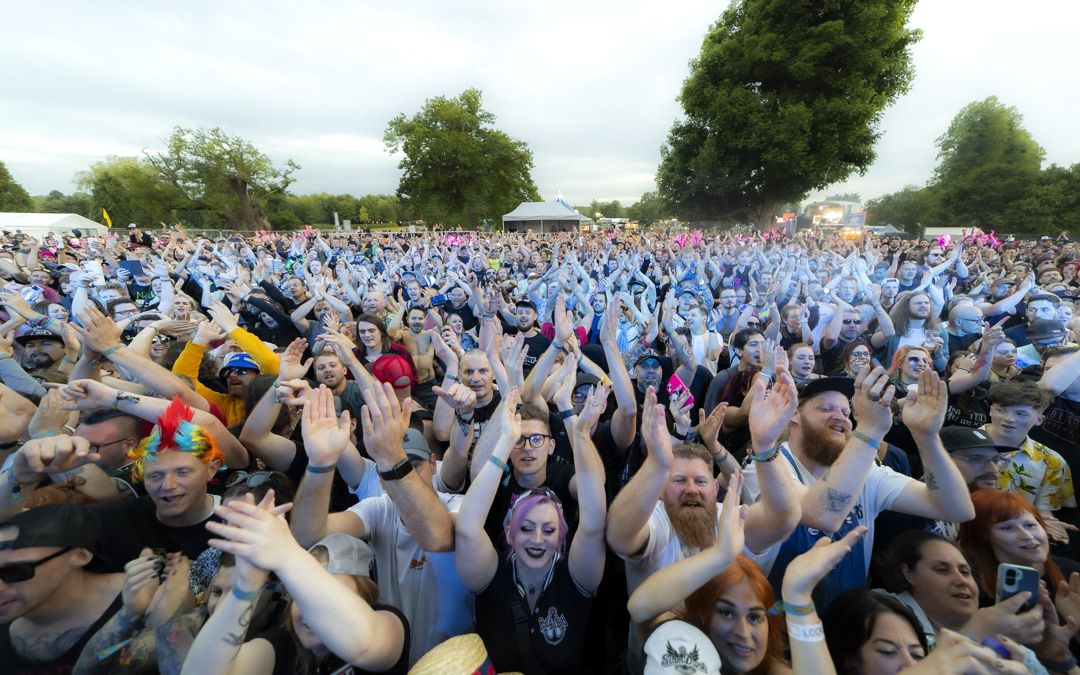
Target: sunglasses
{"type": "Point", "coordinates": [915, 361]}
{"type": "Point", "coordinates": [253, 479]}
{"type": "Point", "coordinates": [24, 571]}
{"type": "Point", "coordinates": [852, 322]}
{"type": "Point", "coordinates": [535, 440]}
{"type": "Point", "coordinates": [229, 372]}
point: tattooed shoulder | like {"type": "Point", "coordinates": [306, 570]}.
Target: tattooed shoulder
{"type": "Point", "coordinates": [47, 646]}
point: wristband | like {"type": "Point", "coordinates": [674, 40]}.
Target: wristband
{"type": "Point", "coordinates": [1060, 666]}
{"type": "Point", "coordinates": [247, 596]}
{"type": "Point", "coordinates": [503, 466]}
{"type": "Point", "coordinates": [320, 469]}
{"type": "Point", "coordinates": [108, 352]}
{"type": "Point", "coordinates": [567, 414]}
{"type": "Point", "coordinates": [811, 632]}
{"type": "Point", "coordinates": [877, 445]}
{"type": "Point", "coordinates": [44, 434]}
{"type": "Point", "coordinates": [453, 378]}
{"type": "Point", "coordinates": [675, 433]}
{"type": "Point", "coordinates": [767, 456]}
{"type": "Point", "coordinates": [462, 420]}
{"type": "Point", "coordinates": [781, 607]}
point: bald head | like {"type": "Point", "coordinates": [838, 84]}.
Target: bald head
{"type": "Point", "coordinates": [966, 319]}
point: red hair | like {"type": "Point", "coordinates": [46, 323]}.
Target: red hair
{"type": "Point", "coordinates": [701, 605]}
{"type": "Point", "coordinates": [993, 507]}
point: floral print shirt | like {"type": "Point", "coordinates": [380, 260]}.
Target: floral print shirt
{"type": "Point", "coordinates": [1040, 475]}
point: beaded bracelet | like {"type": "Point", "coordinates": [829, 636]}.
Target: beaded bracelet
{"type": "Point", "coordinates": [320, 469]}
{"type": "Point", "coordinates": [503, 466]}
{"type": "Point", "coordinates": [877, 445]}
{"type": "Point", "coordinates": [767, 456]}
{"type": "Point", "coordinates": [781, 607]}
{"type": "Point", "coordinates": [247, 596]}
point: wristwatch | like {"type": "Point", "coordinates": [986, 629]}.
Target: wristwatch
{"type": "Point", "coordinates": [398, 471]}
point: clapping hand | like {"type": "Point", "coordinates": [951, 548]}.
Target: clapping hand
{"type": "Point", "coordinates": [805, 571]}
{"type": "Point", "coordinates": [97, 331]}
{"type": "Point", "coordinates": [925, 406]}
{"type": "Point", "coordinates": [141, 582]}
{"type": "Point", "coordinates": [290, 366]}
{"type": "Point", "coordinates": [256, 534]}
{"type": "Point", "coordinates": [325, 434]}
{"type": "Point", "coordinates": [385, 423]}
{"type": "Point", "coordinates": [654, 431]}
{"type": "Point", "coordinates": [772, 410]}
{"type": "Point", "coordinates": [872, 401]}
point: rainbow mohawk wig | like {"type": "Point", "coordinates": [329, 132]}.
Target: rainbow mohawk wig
{"type": "Point", "coordinates": [175, 432]}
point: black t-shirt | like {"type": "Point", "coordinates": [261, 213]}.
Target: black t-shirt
{"type": "Point", "coordinates": [1060, 431]}
{"type": "Point", "coordinates": [340, 497]}
{"type": "Point", "coordinates": [557, 627]}
{"type": "Point", "coordinates": [468, 319]}
{"type": "Point", "coordinates": [534, 347]}
{"type": "Point", "coordinates": [285, 652]}
{"type": "Point", "coordinates": [128, 525]}
{"type": "Point", "coordinates": [13, 664]}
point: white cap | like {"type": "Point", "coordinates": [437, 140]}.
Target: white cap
{"type": "Point", "coordinates": [676, 647]}
{"type": "Point", "coordinates": [340, 553]}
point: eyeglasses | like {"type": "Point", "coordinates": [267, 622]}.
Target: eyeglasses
{"type": "Point", "coordinates": [24, 571]}
{"type": "Point", "coordinates": [1000, 461]}
{"type": "Point", "coordinates": [860, 355]}
{"type": "Point", "coordinates": [580, 394]}
{"type": "Point", "coordinates": [852, 322]}
{"type": "Point", "coordinates": [96, 448]}
{"type": "Point", "coordinates": [535, 440]}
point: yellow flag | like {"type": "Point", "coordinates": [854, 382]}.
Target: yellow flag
{"type": "Point", "coordinates": [108, 220]}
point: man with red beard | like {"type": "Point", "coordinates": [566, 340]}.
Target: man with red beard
{"type": "Point", "coordinates": [839, 480]}
{"type": "Point", "coordinates": [668, 511]}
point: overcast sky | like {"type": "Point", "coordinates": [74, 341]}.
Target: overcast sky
{"type": "Point", "coordinates": [590, 85]}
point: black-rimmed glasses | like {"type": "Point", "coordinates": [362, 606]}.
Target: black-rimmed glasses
{"type": "Point", "coordinates": [535, 440]}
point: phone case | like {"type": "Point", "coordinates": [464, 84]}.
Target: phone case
{"type": "Point", "coordinates": [1014, 579]}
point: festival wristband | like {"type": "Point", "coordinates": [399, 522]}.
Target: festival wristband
{"type": "Point", "coordinates": [811, 632]}
{"type": "Point", "coordinates": [781, 607]}
{"type": "Point", "coordinates": [767, 456]}
{"type": "Point", "coordinates": [877, 445]}
{"type": "Point", "coordinates": [675, 433]}
{"type": "Point", "coordinates": [110, 351]}
{"type": "Point", "coordinates": [320, 469]}
{"type": "Point", "coordinates": [503, 466]}
{"type": "Point", "coordinates": [567, 414]}
{"type": "Point", "coordinates": [247, 596]}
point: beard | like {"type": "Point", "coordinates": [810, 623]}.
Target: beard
{"type": "Point", "coordinates": [822, 445]}
{"type": "Point", "coordinates": [41, 361]}
{"type": "Point", "coordinates": [694, 525]}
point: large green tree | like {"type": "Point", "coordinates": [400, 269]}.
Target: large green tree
{"type": "Point", "coordinates": [131, 191]}
{"type": "Point", "coordinates": [784, 97]}
{"type": "Point", "coordinates": [12, 195]}
{"type": "Point", "coordinates": [223, 175]}
{"type": "Point", "coordinates": [987, 163]}
{"type": "Point", "coordinates": [58, 202]}
{"type": "Point", "coordinates": [457, 168]}
{"type": "Point", "coordinates": [910, 209]}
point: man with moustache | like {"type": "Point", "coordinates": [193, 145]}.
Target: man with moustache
{"type": "Point", "coordinates": [42, 351]}
{"type": "Point", "coordinates": [914, 324]}
{"type": "Point", "coordinates": [668, 511]}
{"type": "Point", "coordinates": [838, 477]}
{"type": "Point", "coordinates": [536, 343]}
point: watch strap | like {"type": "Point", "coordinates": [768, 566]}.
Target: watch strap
{"type": "Point", "coordinates": [398, 471]}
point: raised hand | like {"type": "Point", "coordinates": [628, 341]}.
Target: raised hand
{"type": "Point", "coordinates": [50, 416]}
{"type": "Point", "coordinates": [52, 454]}
{"type": "Point", "coordinates": [207, 332]}
{"type": "Point", "coordinates": [174, 593]}
{"type": "Point", "coordinates": [257, 534]}
{"type": "Point", "coordinates": [325, 434]}
{"type": "Point", "coordinates": [805, 571]}
{"type": "Point", "coordinates": [290, 366]}
{"type": "Point", "coordinates": [141, 582]}
{"type": "Point", "coordinates": [772, 410]}
{"type": "Point", "coordinates": [385, 422]}
{"type": "Point", "coordinates": [594, 406]}
{"type": "Point", "coordinates": [443, 349]}
{"type": "Point", "coordinates": [732, 536]}
{"type": "Point", "coordinates": [1067, 600]}
{"type": "Point", "coordinates": [97, 331]}
{"type": "Point", "coordinates": [873, 398]}
{"type": "Point", "coordinates": [223, 317]}
{"type": "Point", "coordinates": [654, 431]}
{"type": "Point", "coordinates": [458, 397]}
{"type": "Point", "coordinates": [709, 426]}
{"type": "Point", "coordinates": [925, 406]}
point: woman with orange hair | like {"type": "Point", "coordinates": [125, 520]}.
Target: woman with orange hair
{"type": "Point", "coordinates": [1008, 529]}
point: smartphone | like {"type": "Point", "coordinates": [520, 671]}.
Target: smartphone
{"type": "Point", "coordinates": [439, 299]}
{"type": "Point", "coordinates": [94, 269]}
{"type": "Point", "coordinates": [1014, 579]}
{"type": "Point", "coordinates": [675, 387]}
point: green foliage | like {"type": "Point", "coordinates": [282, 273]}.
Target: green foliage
{"type": "Point", "coordinates": [648, 210]}
{"type": "Point", "coordinates": [13, 197]}
{"type": "Point", "coordinates": [910, 209]}
{"type": "Point", "coordinates": [784, 97]}
{"type": "Point", "coordinates": [130, 190]}
{"type": "Point", "coordinates": [79, 203]}
{"type": "Point", "coordinates": [612, 209]}
{"type": "Point", "coordinates": [456, 168]}
{"type": "Point", "coordinates": [844, 197]}
{"type": "Point", "coordinates": [224, 175]}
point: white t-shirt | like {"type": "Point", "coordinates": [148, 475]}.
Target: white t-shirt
{"type": "Point", "coordinates": [371, 486]}
{"type": "Point", "coordinates": [882, 487]}
{"type": "Point", "coordinates": [423, 585]}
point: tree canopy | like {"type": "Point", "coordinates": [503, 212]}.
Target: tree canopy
{"type": "Point", "coordinates": [12, 195]}
{"type": "Point", "coordinates": [457, 169]}
{"type": "Point", "coordinates": [222, 174]}
{"type": "Point", "coordinates": [784, 97]}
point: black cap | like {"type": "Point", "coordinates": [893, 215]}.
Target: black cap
{"type": "Point", "coordinates": [647, 354]}
{"type": "Point", "coordinates": [53, 525]}
{"type": "Point", "coordinates": [844, 385]}
{"type": "Point", "coordinates": [1046, 329]}
{"type": "Point", "coordinates": [526, 303]}
{"type": "Point", "coordinates": [965, 438]}
{"type": "Point", "coordinates": [586, 379]}
{"type": "Point", "coordinates": [37, 334]}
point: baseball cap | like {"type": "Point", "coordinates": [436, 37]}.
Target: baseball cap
{"type": "Point", "coordinates": [37, 334]}
{"type": "Point", "coordinates": [966, 438]}
{"type": "Point", "coordinates": [60, 525]}
{"type": "Point", "coordinates": [240, 360]}
{"type": "Point", "coordinates": [391, 368]}
{"type": "Point", "coordinates": [844, 385]}
{"type": "Point", "coordinates": [526, 303]}
{"type": "Point", "coordinates": [415, 445]}
{"type": "Point", "coordinates": [586, 379]}
{"type": "Point", "coordinates": [132, 226]}
{"type": "Point", "coordinates": [1046, 329]}
{"type": "Point", "coordinates": [645, 354]}
{"type": "Point", "coordinates": [340, 553]}
{"type": "Point", "coordinates": [676, 647]}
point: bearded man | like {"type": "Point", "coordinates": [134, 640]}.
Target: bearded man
{"type": "Point", "coordinates": [668, 511]}
{"type": "Point", "coordinates": [841, 484]}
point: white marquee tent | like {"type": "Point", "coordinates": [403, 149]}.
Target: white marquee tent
{"type": "Point", "coordinates": [543, 217]}
{"type": "Point", "coordinates": [40, 224]}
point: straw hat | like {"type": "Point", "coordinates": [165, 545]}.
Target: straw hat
{"type": "Point", "coordinates": [461, 655]}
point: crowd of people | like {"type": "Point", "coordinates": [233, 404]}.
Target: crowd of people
{"type": "Point", "coordinates": [603, 452]}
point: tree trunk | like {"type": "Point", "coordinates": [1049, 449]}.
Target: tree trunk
{"type": "Point", "coordinates": [765, 219]}
{"type": "Point", "coordinates": [249, 216]}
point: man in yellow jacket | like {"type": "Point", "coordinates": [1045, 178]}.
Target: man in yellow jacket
{"type": "Point", "coordinates": [240, 368]}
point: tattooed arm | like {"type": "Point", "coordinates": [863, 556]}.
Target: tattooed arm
{"type": "Point", "coordinates": [174, 640]}
{"type": "Point", "coordinates": [118, 647]}
{"type": "Point", "coordinates": [219, 649]}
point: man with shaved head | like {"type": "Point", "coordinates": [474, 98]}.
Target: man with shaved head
{"type": "Point", "coordinates": [965, 326]}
